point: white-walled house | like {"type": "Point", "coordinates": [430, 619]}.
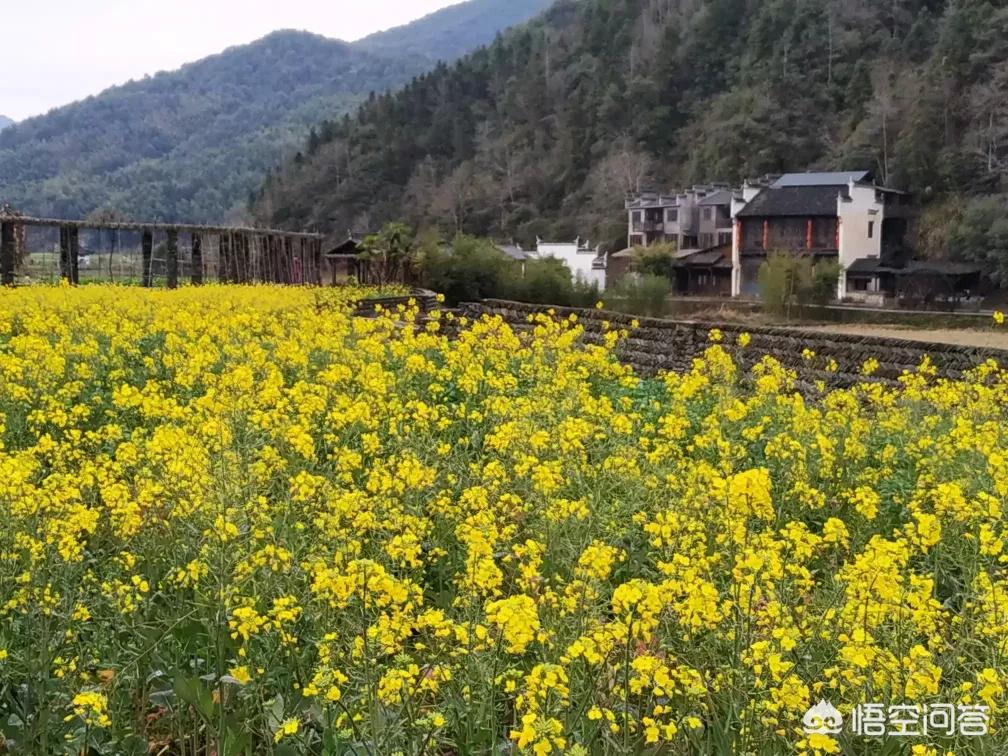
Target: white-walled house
{"type": "Point", "coordinates": [585, 263]}
{"type": "Point", "coordinates": [843, 217]}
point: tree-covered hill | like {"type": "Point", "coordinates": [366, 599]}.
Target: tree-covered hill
{"type": "Point", "coordinates": [452, 31]}
{"type": "Point", "coordinates": [191, 144]}
{"type": "Point", "coordinates": [545, 130]}
{"type": "Point", "coordinates": [5, 122]}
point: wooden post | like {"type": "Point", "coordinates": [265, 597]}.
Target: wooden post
{"type": "Point", "coordinates": [303, 265]}
{"type": "Point", "coordinates": [74, 255]}
{"type": "Point", "coordinates": [147, 255]}
{"type": "Point", "coordinates": [319, 261]}
{"type": "Point", "coordinates": [288, 256]}
{"type": "Point", "coordinates": [808, 234]}
{"type": "Point", "coordinates": [234, 244]}
{"type": "Point", "coordinates": [7, 254]}
{"type": "Point", "coordinates": [171, 253]}
{"type": "Point", "coordinates": [766, 234]}
{"type": "Point", "coordinates": [246, 258]}
{"type": "Point", "coordinates": [196, 274]}
{"type": "Point", "coordinates": [221, 258]}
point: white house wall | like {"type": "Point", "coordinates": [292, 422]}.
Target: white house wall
{"type": "Point", "coordinates": [579, 261]}
{"type": "Point", "coordinates": [855, 215]}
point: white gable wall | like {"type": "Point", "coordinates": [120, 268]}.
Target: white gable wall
{"type": "Point", "coordinates": [578, 259]}
{"type": "Point", "coordinates": [860, 228]}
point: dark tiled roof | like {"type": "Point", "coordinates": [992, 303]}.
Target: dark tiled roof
{"type": "Point", "coordinates": [867, 265]}
{"type": "Point", "coordinates": [873, 265]}
{"type": "Point", "coordinates": [340, 245]}
{"type": "Point", "coordinates": [513, 251]}
{"type": "Point", "coordinates": [720, 197]}
{"type": "Point", "coordinates": [716, 257]}
{"type": "Point", "coordinates": [941, 267]}
{"type": "Point", "coordinates": [839, 178]}
{"type": "Point", "coordinates": [794, 200]}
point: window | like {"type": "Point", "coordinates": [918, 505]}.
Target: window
{"type": "Point", "coordinates": [860, 284]}
{"type": "Point", "coordinates": [708, 213]}
{"type": "Point", "coordinates": [672, 214]}
{"type": "Point", "coordinates": [871, 229]}
{"type": "Point", "coordinates": [689, 242]}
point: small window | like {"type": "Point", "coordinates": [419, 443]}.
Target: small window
{"type": "Point", "coordinates": [636, 216]}
{"type": "Point", "coordinates": [871, 229]}
{"type": "Point", "coordinates": [708, 213]}
{"type": "Point", "coordinates": [860, 284]}
{"type": "Point", "coordinates": [672, 214]}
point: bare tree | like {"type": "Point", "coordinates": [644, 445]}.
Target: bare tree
{"type": "Point", "coordinates": [457, 195]}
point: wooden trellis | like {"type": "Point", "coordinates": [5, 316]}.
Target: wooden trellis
{"type": "Point", "coordinates": [243, 255]}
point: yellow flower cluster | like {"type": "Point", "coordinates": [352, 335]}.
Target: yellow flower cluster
{"type": "Point", "coordinates": [238, 519]}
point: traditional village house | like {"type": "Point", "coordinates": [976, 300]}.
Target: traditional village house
{"type": "Point", "coordinates": [840, 216]}
{"type": "Point", "coordinates": [585, 262]}
{"type": "Point", "coordinates": [696, 224]}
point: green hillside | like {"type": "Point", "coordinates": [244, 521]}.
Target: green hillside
{"type": "Point", "coordinates": [544, 131]}
{"type": "Point", "coordinates": [191, 144]}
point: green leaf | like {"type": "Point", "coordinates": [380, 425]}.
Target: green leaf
{"type": "Point", "coordinates": [194, 693]}
{"type": "Point", "coordinates": [235, 743]}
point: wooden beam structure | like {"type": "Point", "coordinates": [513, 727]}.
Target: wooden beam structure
{"type": "Point", "coordinates": [196, 261]}
{"type": "Point", "coordinates": [147, 259]}
{"type": "Point", "coordinates": [244, 255]}
{"type": "Point", "coordinates": [184, 228]}
{"type": "Point", "coordinates": [172, 263]}
{"type": "Point", "coordinates": [7, 253]}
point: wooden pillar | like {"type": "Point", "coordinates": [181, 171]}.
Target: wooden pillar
{"type": "Point", "coordinates": [74, 234]}
{"type": "Point", "coordinates": [317, 249]}
{"type": "Point", "coordinates": [7, 245]}
{"type": "Point", "coordinates": [246, 259]}
{"type": "Point", "coordinates": [224, 258]}
{"type": "Point", "coordinates": [302, 264]}
{"type": "Point", "coordinates": [288, 253]}
{"type": "Point", "coordinates": [171, 253]}
{"type": "Point", "coordinates": [766, 235]}
{"type": "Point", "coordinates": [808, 234]}
{"type": "Point", "coordinates": [196, 274]}
{"type": "Point", "coordinates": [147, 255]}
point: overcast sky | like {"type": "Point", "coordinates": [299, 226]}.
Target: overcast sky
{"type": "Point", "coordinates": [56, 51]}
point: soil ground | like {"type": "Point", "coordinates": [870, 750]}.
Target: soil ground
{"type": "Point", "coordinates": [992, 338]}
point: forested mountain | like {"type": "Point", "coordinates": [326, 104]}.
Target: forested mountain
{"type": "Point", "coordinates": [452, 31]}
{"type": "Point", "coordinates": [5, 122]}
{"type": "Point", "coordinates": [191, 144]}
{"type": "Point", "coordinates": [545, 130]}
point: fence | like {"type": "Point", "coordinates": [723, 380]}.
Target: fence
{"type": "Point", "coordinates": [44, 249]}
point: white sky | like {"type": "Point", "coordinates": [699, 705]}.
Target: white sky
{"type": "Point", "coordinates": [56, 51]}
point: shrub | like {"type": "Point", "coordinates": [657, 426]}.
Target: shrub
{"type": "Point", "coordinates": [470, 269]}
{"type": "Point", "coordinates": [787, 280]}
{"type": "Point", "coordinates": [655, 260]}
{"type": "Point", "coordinates": [640, 295]}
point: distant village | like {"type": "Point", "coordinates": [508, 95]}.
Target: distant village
{"type": "Point", "coordinates": [719, 237]}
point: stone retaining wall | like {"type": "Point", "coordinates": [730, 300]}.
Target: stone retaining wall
{"type": "Point", "coordinates": [426, 299]}
{"type": "Point", "coordinates": [671, 345]}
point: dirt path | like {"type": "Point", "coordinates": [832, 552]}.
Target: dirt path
{"type": "Point", "coordinates": [992, 338]}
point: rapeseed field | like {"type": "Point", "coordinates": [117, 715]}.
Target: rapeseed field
{"type": "Point", "coordinates": [238, 520]}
